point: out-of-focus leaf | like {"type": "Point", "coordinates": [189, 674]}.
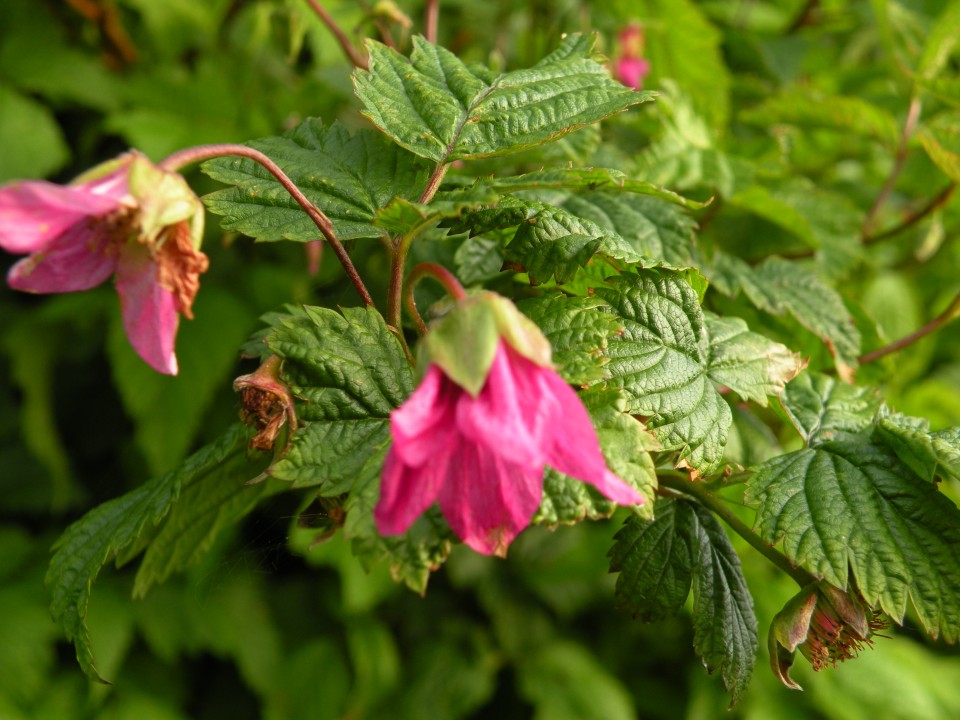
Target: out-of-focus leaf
{"type": "Point", "coordinates": [33, 145]}
{"type": "Point", "coordinates": [941, 139]}
{"type": "Point", "coordinates": [443, 110]}
{"type": "Point", "coordinates": [108, 530]}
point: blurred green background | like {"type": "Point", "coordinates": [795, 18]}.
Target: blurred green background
{"type": "Point", "coordinates": [772, 107]}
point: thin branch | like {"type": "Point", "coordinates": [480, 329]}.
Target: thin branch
{"type": "Point", "coordinates": [717, 506]}
{"type": "Point", "coordinates": [434, 183]}
{"type": "Point", "coordinates": [913, 218]}
{"type": "Point", "coordinates": [356, 57]}
{"type": "Point", "coordinates": [900, 159]}
{"type": "Point", "coordinates": [432, 13]}
{"type": "Point", "coordinates": [948, 315]}
{"type": "Point", "coordinates": [206, 152]}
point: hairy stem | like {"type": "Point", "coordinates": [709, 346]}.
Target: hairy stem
{"type": "Point", "coordinates": [434, 183]}
{"type": "Point", "coordinates": [356, 57]}
{"type": "Point", "coordinates": [206, 152]}
{"type": "Point", "coordinates": [900, 159]}
{"type": "Point", "coordinates": [713, 503]}
{"type": "Point", "coordinates": [951, 313]}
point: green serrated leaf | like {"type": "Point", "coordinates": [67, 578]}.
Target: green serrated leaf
{"type": "Point", "coordinates": [661, 361]}
{"type": "Point", "coordinates": [351, 373]}
{"type": "Point", "coordinates": [88, 544]}
{"type": "Point", "coordinates": [724, 624]}
{"type": "Point", "coordinates": [851, 508]}
{"type": "Point", "coordinates": [655, 560]}
{"type": "Point", "coordinates": [625, 444]}
{"type": "Point", "coordinates": [821, 408]}
{"type": "Point", "coordinates": [751, 365]}
{"type": "Point", "coordinates": [403, 217]}
{"type": "Point", "coordinates": [479, 258]}
{"type": "Point", "coordinates": [655, 229]}
{"type": "Point", "coordinates": [439, 108]}
{"type": "Point", "coordinates": [577, 333]}
{"type": "Point", "coordinates": [779, 286]}
{"type": "Point", "coordinates": [685, 547]}
{"type": "Point", "coordinates": [929, 454]}
{"type": "Point", "coordinates": [349, 177]}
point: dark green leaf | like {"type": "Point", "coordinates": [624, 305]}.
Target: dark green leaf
{"type": "Point", "coordinates": [747, 363]}
{"type": "Point", "coordinates": [108, 530]}
{"type": "Point", "coordinates": [32, 141]}
{"type": "Point", "coordinates": [349, 177]}
{"type": "Point", "coordinates": [439, 108]}
{"type": "Point", "coordinates": [851, 508]}
{"type": "Point", "coordinates": [685, 546]}
{"type": "Point", "coordinates": [662, 359]}
{"type": "Point", "coordinates": [350, 372]}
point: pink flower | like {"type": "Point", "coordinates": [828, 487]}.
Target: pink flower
{"type": "Point", "coordinates": [632, 71]}
{"type": "Point", "coordinates": [482, 456]}
{"type": "Point", "coordinates": [126, 218]}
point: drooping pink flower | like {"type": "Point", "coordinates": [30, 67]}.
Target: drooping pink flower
{"type": "Point", "coordinates": [482, 456]}
{"type": "Point", "coordinates": [126, 218]}
{"type": "Point", "coordinates": [631, 66]}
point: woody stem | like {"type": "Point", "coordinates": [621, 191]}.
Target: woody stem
{"type": "Point", "coordinates": [177, 160]}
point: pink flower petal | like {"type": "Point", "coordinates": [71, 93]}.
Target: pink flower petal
{"type": "Point", "coordinates": [575, 449]}
{"type": "Point", "coordinates": [632, 70]}
{"type": "Point", "coordinates": [424, 425]}
{"type": "Point", "coordinates": [486, 500]}
{"type": "Point", "coordinates": [79, 259]}
{"type": "Point", "coordinates": [149, 310]}
{"type": "Point", "coordinates": [405, 493]}
{"type": "Point", "coordinates": [510, 414]}
{"type": "Point", "coordinates": [33, 214]}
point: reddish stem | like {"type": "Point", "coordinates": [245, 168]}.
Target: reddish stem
{"type": "Point", "coordinates": [430, 21]}
{"type": "Point", "coordinates": [207, 152]}
{"type": "Point", "coordinates": [951, 313]}
{"type": "Point", "coordinates": [438, 273]}
{"type": "Point", "coordinates": [353, 55]}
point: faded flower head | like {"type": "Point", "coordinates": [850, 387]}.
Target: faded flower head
{"type": "Point", "coordinates": [827, 625]}
{"type": "Point", "coordinates": [631, 66]}
{"type": "Point", "coordinates": [126, 218]}
{"type": "Point", "coordinates": [266, 404]}
{"type": "Point", "coordinates": [478, 431]}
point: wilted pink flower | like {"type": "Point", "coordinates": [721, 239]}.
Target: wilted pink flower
{"type": "Point", "coordinates": [483, 456]}
{"type": "Point", "coordinates": [126, 218]}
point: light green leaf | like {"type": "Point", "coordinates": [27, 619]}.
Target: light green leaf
{"type": "Point", "coordinates": [942, 41]}
{"type": "Point", "coordinates": [821, 408]}
{"type": "Point", "coordinates": [929, 454]}
{"type": "Point", "coordinates": [351, 373]}
{"type": "Point", "coordinates": [747, 363]}
{"type": "Point", "coordinates": [577, 333]}
{"type": "Point", "coordinates": [110, 529]}
{"type": "Point", "coordinates": [662, 359]}
{"type": "Point", "coordinates": [407, 218]}
{"type": "Point", "coordinates": [851, 508]}
{"type": "Point", "coordinates": [654, 228]}
{"type": "Point", "coordinates": [779, 286]}
{"type": "Point", "coordinates": [349, 177]}
{"type": "Point", "coordinates": [440, 109]}
{"type": "Point", "coordinates": [479, 258]}
{"type": "Point", "coordinates": [625, 444]}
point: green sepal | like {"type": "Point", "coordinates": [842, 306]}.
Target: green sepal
{"type": "Point", "coordinates": [463, 343]}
